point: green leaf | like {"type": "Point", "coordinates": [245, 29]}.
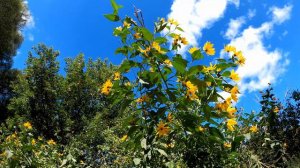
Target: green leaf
{"type": "Point", "coordinates": [195, 69]}
{"type": "Point", "coordinates": [144, 143]}
{"type": "Point", "coordinates": [160, 40]}
{"type": "Point", "coordinates": [147, 34]}
{"type": "Point", "coordinates": [162, 152]}
{"type": "Point", "coordinates": [112, 17]}
{"type": "Point", "coordinates": [179, 64]}
{"type": "Point", "coordinates": [115, 6]}
{"type": "Point", "coordinates": [226, 74]}
{"type": "Point", "coordinates": [180, 29]}
{"type": "Point", "coordinates": [137, 161]}
{"type": "Point", "coordinates": [197, 55]}
{"type": "Point", "coordinates": [126, 65]}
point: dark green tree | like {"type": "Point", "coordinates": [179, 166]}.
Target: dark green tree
{"type": "Point", "coordinates": [38, 93]}
{"type": "Point", "coordinates": [12, 19]}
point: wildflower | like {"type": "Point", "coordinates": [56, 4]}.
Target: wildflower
{"type": "Point", "coordinates": [201, 129]}
{"type": "Point", "coordinates": [253, 128]}
{"type": "Point", "coordinates": [229, 48]}
{"type": "Point", "coordinates": [234, 91]}
{"type": "Point", "coordinates": [124, 138]}
{"type": "Point", "coordinates": [231, 111]}
{"type": "Point", "coordinates": [168, 63]}
{"type": "Point", "coordinates": [170, 117]}
{"type": "Point", "coordinates": [33, 142]}
{"type": "Point", "coordinates": [184, 41]}
{"type": "Point", "coordinates": [145, 51]}
{"type": "Point", "coordinates": [224, 105]}
{"type": "Point", "coordinates": [127, 84]}
{"type": "Point", "coordinates": [106, 87]}
{"type": "Point", "coordinates": [231, 123]}
{"type": "Point", "coordinates": [119, 28]}
{"type": "Point", "coordinates": [117, 76]}
{"type": "Point", "coordinates": [137, 35]}
{"type": "Point", "coordinates": [234, 76]}
{"type": "Point", "coordinates": [191, 90]}
{"type": "Point", "coordinates": [27, 125]}
{"type": "Point", "coordinates": [240, 58]}
{"type": "Point", "coordinates": [211, 67]}
{"type": "Point", "coordinates": [227, 145]}
{"type": "Point", "coordinates": [209, 48]}
{"type": "Point", "coordinates": [157, 47]}
{"type": "Point", "coordinates": [173, 22]}
{"type": "Point", "coordinates": [162, 20]}
{"type": "Point", "coordinates": [193, 49]}
{"type": "Point", "coordinates": [40, 138]}
{"type": "Point", "coordinates": [208, 84]}
{"type": "Point", "coordinates": [144, 98]}
{"type": "Point", "coordinates": [126, 24]}
{"type": "Point", "coordinates": [276, 110]}
{"type": "Point", "coordinates": [51, 142]}
{"type": "Point", "coordinates": [162, 129]}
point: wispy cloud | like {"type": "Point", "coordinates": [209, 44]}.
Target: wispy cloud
{"type": "Point", "coordinates": [234, 27]}
{"type": "Point", "coordinates": [196, 15]}
{"type": "Point", "coordinates": [263, 66]}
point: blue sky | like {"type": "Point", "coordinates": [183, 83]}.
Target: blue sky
{"type": "Point", "coordinates": [266, 31]}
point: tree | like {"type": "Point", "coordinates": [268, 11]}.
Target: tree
{"type": "Point", "coordinates": [38, 93]}
{"type": "Point", "coordinates": [12, 19]}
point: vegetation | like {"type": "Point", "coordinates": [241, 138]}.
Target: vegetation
{"type": "Point", "coordinates": [157, 109]}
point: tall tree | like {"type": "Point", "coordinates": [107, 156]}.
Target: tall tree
{"type": "Point", "coordinates": [38, 93]}
{"type": "Point", "coordinates": [12, 19]}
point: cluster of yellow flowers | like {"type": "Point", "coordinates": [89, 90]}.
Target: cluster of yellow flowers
{"type": "Point", "coordinates": [208, 48]}
{"type": "Point", "coordinates": [27, 125]}
{"type": "Point", "coordinates": [238, 54]}
{"type": "Point", "coordinates": [106, 87]}
{"type": "Point", "coordinates": [178, 38]}
{"type": "Point", "coordinates": [191, 90]}
{"type": "Point", "coordinates": [162, 129]}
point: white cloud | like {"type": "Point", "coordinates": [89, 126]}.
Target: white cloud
{"type": "Point", "coordinates": [30, 37]}
{"type": "Point", "coordinates": [234, 27]}
{"type": "Point", "coordinates": [251, 13]}
{"type": "Point", "coordinates": [263, 65]}
{"type": "Point", "coordinates": [196, 15]}
{"type": "Point", "coordinates": [235, 2]}
{"type": "Point", "coordinates": [281, 15]}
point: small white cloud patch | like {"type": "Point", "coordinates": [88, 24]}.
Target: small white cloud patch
{"type": "Point", "coordinates": [234, 27]}
{"type": "Point", "coordinates": [281, 15]}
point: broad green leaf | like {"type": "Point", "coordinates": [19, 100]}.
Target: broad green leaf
{"type": "Point", "coordinates": [160, 40]}
{"type": "Point", "coordinates": [115, 6]}
{"type": "Point", "coordinates": [197, 55]}
{"type": "Point", "coordinates": [226, 74]}
{"type": "Point", "coordinates": [195, 69]}
{"type": "Point", "coordinates": [144, 143]}
{"type": "Point", "coordinates": [127, 65]}
{"type": "Point", "coordinates": [147, 34]}
{"type": "Point", "coordinates": [162, 152]}
{"type": "Point", "coordinates": [112, 17]}
{"type": "Point", "coordinates": [179, 64]}
{"type": "Point", "coordinates": [137, 161]}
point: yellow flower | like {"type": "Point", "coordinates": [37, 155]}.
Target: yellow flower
{"type": "Point", "coordinates": [117, 76]}
{"type": "Point", "coordinates": [145, 51]}
{"type": "Point", "coordinates": [209, 48]}
{"type": "Point", "coordinates": [253, 128]}
{"type": "Point", "coordinates": [27, 125]}
{"type": "Point", "coordinates": [127, 84]}
{"type": "Point", "coordinates": [211, 67]}
{"type": "Point", "coordinates": [137, 35]}
{"type": "Point", "coordinates": [240, 58]}
{"type": "Point", "coordinates": [162, 129]}
{"type": "Point", "coordinates": [125, 24]}
{"type": "Point", "coordinates": [224, 105]}
{"type": "Point", "coordinates": [184, 41]}
{"type": "Point", "coordinates": [201, 129]}
{"type": "Point", "coordinates": [106, 87]}
{"type": "Point", "coordinates": [229, 48]}
{"type": "Point", "coordinates": [227, 145]}
{"type": "Point", "coordinates": [124, 138]}
{"type": "Point", "coordinates": [193, 49]}
{"type": "Point", "coordinates": [40, 138]}
{"type": "Point", "coordinates": [33, 142]}
{"type": "Point", "coordinates": [119, 28]}
{"type": "Point", "coordinates": [162, 20]}
{"type": "Point", "coordinates": [144, 98]}
{"type": "Point", "coordinates": [51, 142]}
{"type": "Point", "coordinates": [157, 47]}
{"type": "Point", "coordinates": [208, 84]}
{"type": "Point", "coordinates": [191, 90]}
{"type": "Point", "coordinates": [172, 21]}
{"type": "Point", "coordinates": [231, 110]}
{"type": "Point", "coordinates": [170, 117]}
{"type": "Point", "coordinates": [234, 76]}
{"type": "Point", "coordinates": [234, 91]}
{"type": "Point", "coordinates": [168, 63]}
{"type": "Point", "coordinates": [276, 110]}
{"type": "Point", "coordinates": [231, 123]}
